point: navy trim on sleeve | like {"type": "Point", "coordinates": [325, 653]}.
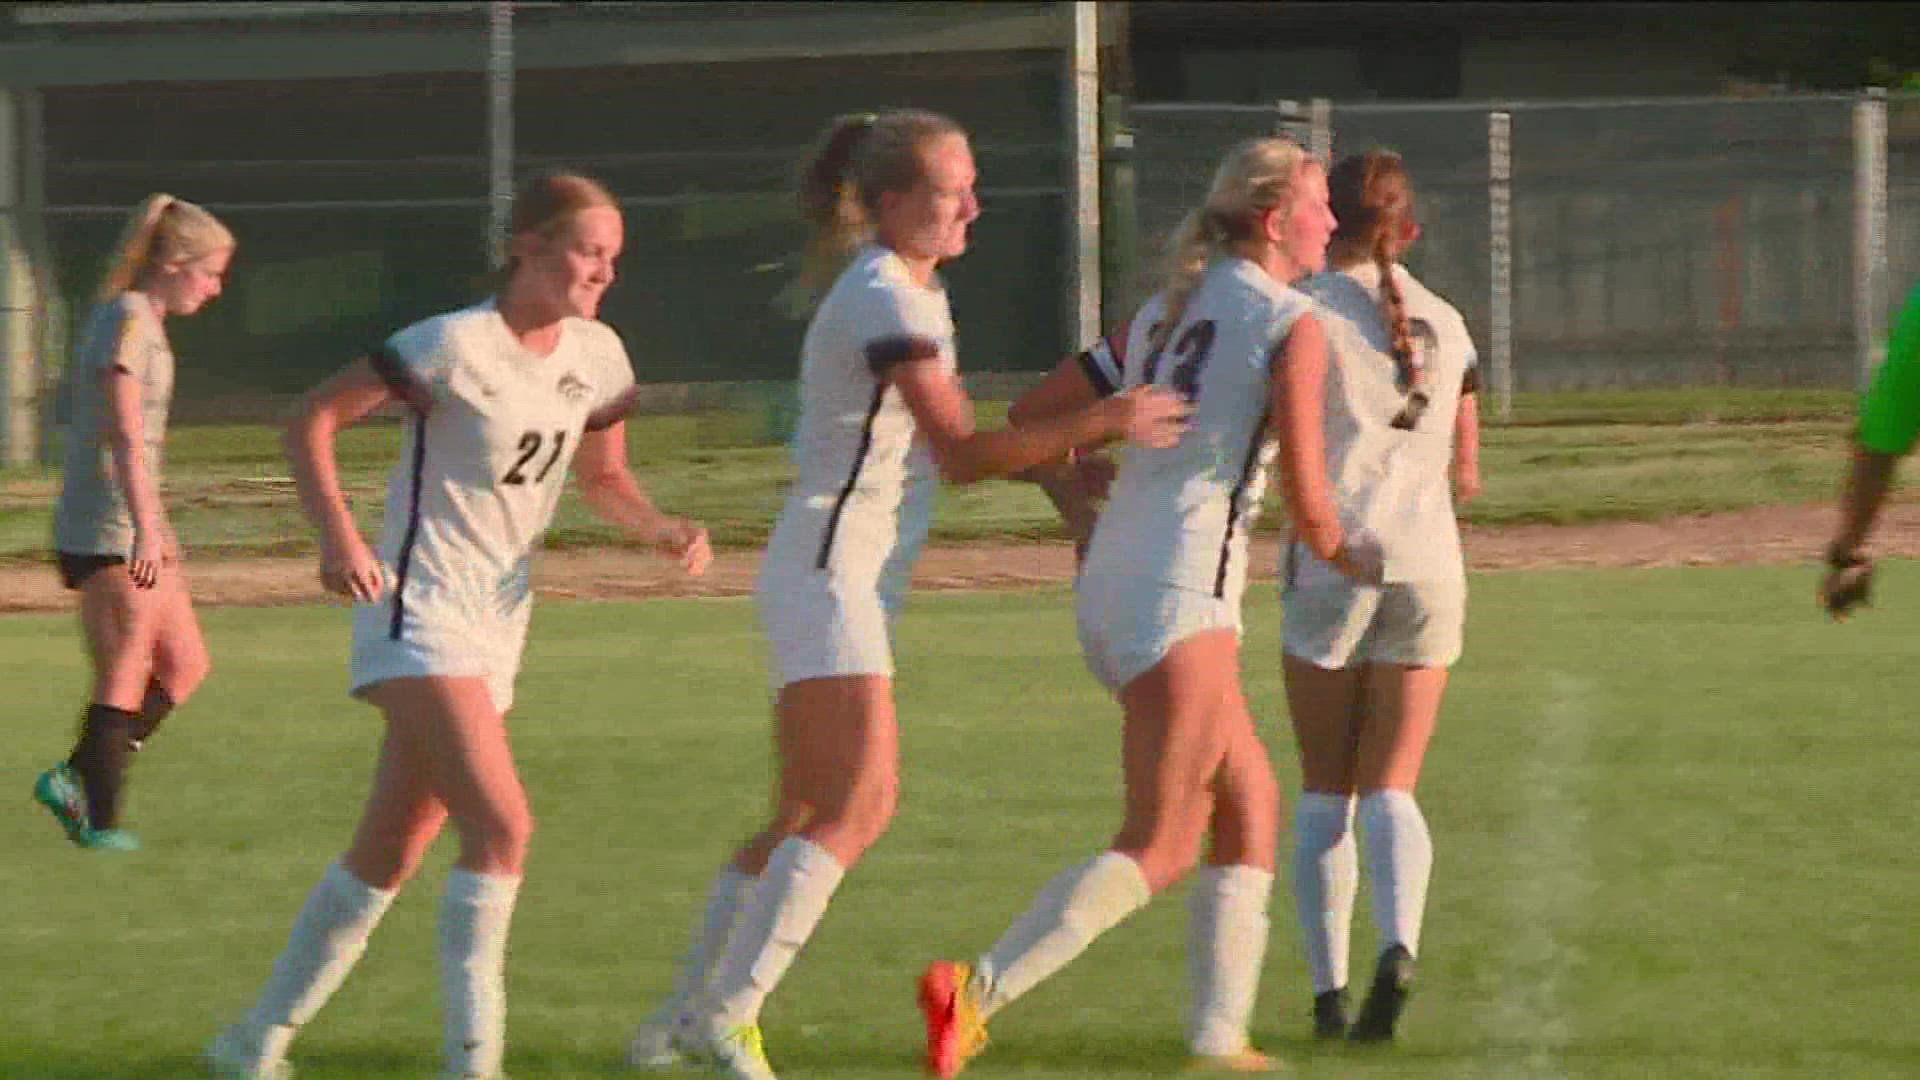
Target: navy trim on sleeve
{"type": "Point", "coordinates": [1101, 368]}
{"type": "Point", "coordinates": [614, 411]}
{"type": "Point", "coordinates": [883, 354]}
{"type": "Point", "coordinates": [405, 386]}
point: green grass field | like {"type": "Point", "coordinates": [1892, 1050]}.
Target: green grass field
{"type": "Point", "coordinates": [1574, 458]}
{"type": "Point", "coordinates": [1672, 811]}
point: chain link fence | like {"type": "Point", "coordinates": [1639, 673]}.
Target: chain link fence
{"type": "Point", "coordinates": [1659, 243]}
{"type": "Point", "coordinates": [362, 204]}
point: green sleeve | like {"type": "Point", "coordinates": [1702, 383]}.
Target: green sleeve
{"type": "Point", "coordinates": [1890, 412]}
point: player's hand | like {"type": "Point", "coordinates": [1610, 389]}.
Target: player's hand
{"type": "Point", "coordinates": [349, 568]}
{"type": "Point", "coordinates": [687, 542]}
{"type": "Point", "coordinates": [143, 562]}
{"type": "Point", "coordinates": [1150, 416]}
{"type": "Point", "coordinates": [1844, 588]}
{"type": "Point", "coordinates": [1466, 481]}
{"type": "Point", "coordinates": [1360, 558]}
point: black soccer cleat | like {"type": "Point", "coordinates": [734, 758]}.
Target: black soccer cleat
{"type": "Point", "coordinates": [1330, 1014]}
{"type": "Point", "coordinates": [1392, 984]}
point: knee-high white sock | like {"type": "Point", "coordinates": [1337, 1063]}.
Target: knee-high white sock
{"type": "Point", "coordinates": [1326, 876]}
{"type": "Point", "coordinates": [780, 916]}
{"type": "Point", "coordinates": [328, 937]}
{"type": "Point", "coordinates": [474, 915]}
{"type": "Point", "coordinates": [1077, 906]}
{"type": "Point", "coordinates": [1226, 942]}
{"type": "Point", "coordinates": [1399, 863]}
{"type": "Point", "coordinates": [726, 897]}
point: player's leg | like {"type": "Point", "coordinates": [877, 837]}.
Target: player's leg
{"type": "Point", "coordinates": [1325, 706]}
{"type": "Point", "coordinates": [120, 622]}
{"type": "Point", "coordinates": [401, 820]}
{"type": "Point", "coordinates": [839, 761]}
{"type": "Point", "coordinates": [180, 659]}
{"type": "Point", "coordinates": [1228, 925]}
{"type": "Point", "coordinates": [464, 739]}
{"type": "Point", "coordinates": [1418, 636]}
{"type": "Point", "coordinates": [1403, 704]}
{"type": "Point", "coordinates": [1325, 628]}
{"type": "Point", "coordinates": [1171, 746]}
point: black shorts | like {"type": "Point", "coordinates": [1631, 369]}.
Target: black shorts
{"type": "Point", "coordinates": [76, 569]}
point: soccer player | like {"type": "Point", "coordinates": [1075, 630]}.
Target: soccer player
{"type": "Point", "coordinates": [883, 418]}
{"type": "Point", "coordinates": [1889, 424]}
{"type": "Point", "coordinates": [1158, 603]}
{"type": "Point", "coordinates": [503, 398]}
{"type": "Point", "coordinates": [1366, 662]}
{"type": "Point", "coordinates": [111, 534]}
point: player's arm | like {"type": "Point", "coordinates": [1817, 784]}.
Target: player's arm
{"type": "Point", "coordinates": [1077, 482]}
{"type": "Point", "coordinates": [608, 485]}
{"type": "Point", "coordinates": [1888, 428]}
{"type": "Point", "coordinates": [944, 413]}
{"type": "Point", "coordinates": [348, 567]}
{"type": "Point", "coordinates": [1466, 438]}
{"type": "Point", "coordinates": [1298, 405]}
{"type": "Point", "coordinates": [127, 446]}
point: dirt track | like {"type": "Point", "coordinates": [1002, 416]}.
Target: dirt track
{"type": "Point", "coordinates": [1766, 535]}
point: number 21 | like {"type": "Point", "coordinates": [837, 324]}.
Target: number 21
{"type": "Point", "coordinates": [530, 444]}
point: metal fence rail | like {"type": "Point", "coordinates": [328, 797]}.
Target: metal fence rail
{"type": "Point", "coordinates": [1623, 244]}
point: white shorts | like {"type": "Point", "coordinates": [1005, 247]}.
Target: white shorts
{"type": "Point", "coordinates": [437, 638]}
{"type": "Point", "coordinates": [1337, 624]}
{"type": "Point", "coordinates": [1127, 625]}
{"type": "Point", "coordinates": [820, 625]}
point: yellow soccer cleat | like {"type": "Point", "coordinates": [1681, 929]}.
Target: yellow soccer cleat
{"type": "Point", "coordinates": [956, 1031]}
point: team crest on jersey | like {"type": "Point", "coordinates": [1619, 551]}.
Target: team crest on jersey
{"type": "Point", "coordinates": [572, 387]}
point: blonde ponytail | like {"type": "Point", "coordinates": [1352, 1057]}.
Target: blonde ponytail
{"type": "Point", "coordinates": [1256, 176]}
{"type": "Point", "coordinates": [831, 207]}
{"type": "Point", "coordinates": [162, 231]}
{"type": "Point", "coordinates": [1194, 243]}
{"type": "Point", "coordinates": [860, 157]}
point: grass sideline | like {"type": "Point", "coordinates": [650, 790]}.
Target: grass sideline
{"type": "Point", "coordinates": [1571, 458]}
{"type": "Point", "coordinates": [1643, 868]}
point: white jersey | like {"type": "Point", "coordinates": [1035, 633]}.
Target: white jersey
{"type": "Point", "coordinates": [863, 495]}
{"type": "Point", "coordinates": [1393, 480]}
{"type": "Point", "coordinates": [493, 430]}
{"type": "Point", "coordinates": [1180, 516]}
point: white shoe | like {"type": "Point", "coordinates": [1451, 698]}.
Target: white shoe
{"type": "Point", "coordinates": [736, 1055]}
{"type": "Point", "coordinates": [668, 1042]}
{"type": "Point", "coordinates": [239, 1053]}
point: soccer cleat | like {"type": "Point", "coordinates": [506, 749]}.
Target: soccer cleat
{"type": "Point", "coordinates": [237, 1055]}
{"type": "Point", "coordinates": [1392, 983]}
{"type": "Point", "coordinates": [956, 1031]}
{"type": "Point", "coordinates": [663, 1043]}
{"type": "Point", "coordinates": [1330, 1014]}
{"type": "Point", "coordinates": [109, 840]}
{"type": "Point", "coordinates": [59, 790]}
{"type": "Point", "coordinates": [1246, 1061]}
{"type": "Point", "coordinates": [740, 1054]}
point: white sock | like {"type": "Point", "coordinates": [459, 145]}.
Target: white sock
{"type": "Point", "coordinates": [474, 915]}
{"type": "Point", "coordinates": [780, 916]}
{"type": "Point", "coordinates": [1226, 943]}
{"type": "Point", "coordinates": [327, 939]}
{"type": "Point", "coordinates": [1399, 863]}
{"type": "Point", "coordinates": [1077, 906]}
{"type": "Point", "coordinates": [1326, 876]}
{"type": "Point", "coordinates": [726, 898]}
